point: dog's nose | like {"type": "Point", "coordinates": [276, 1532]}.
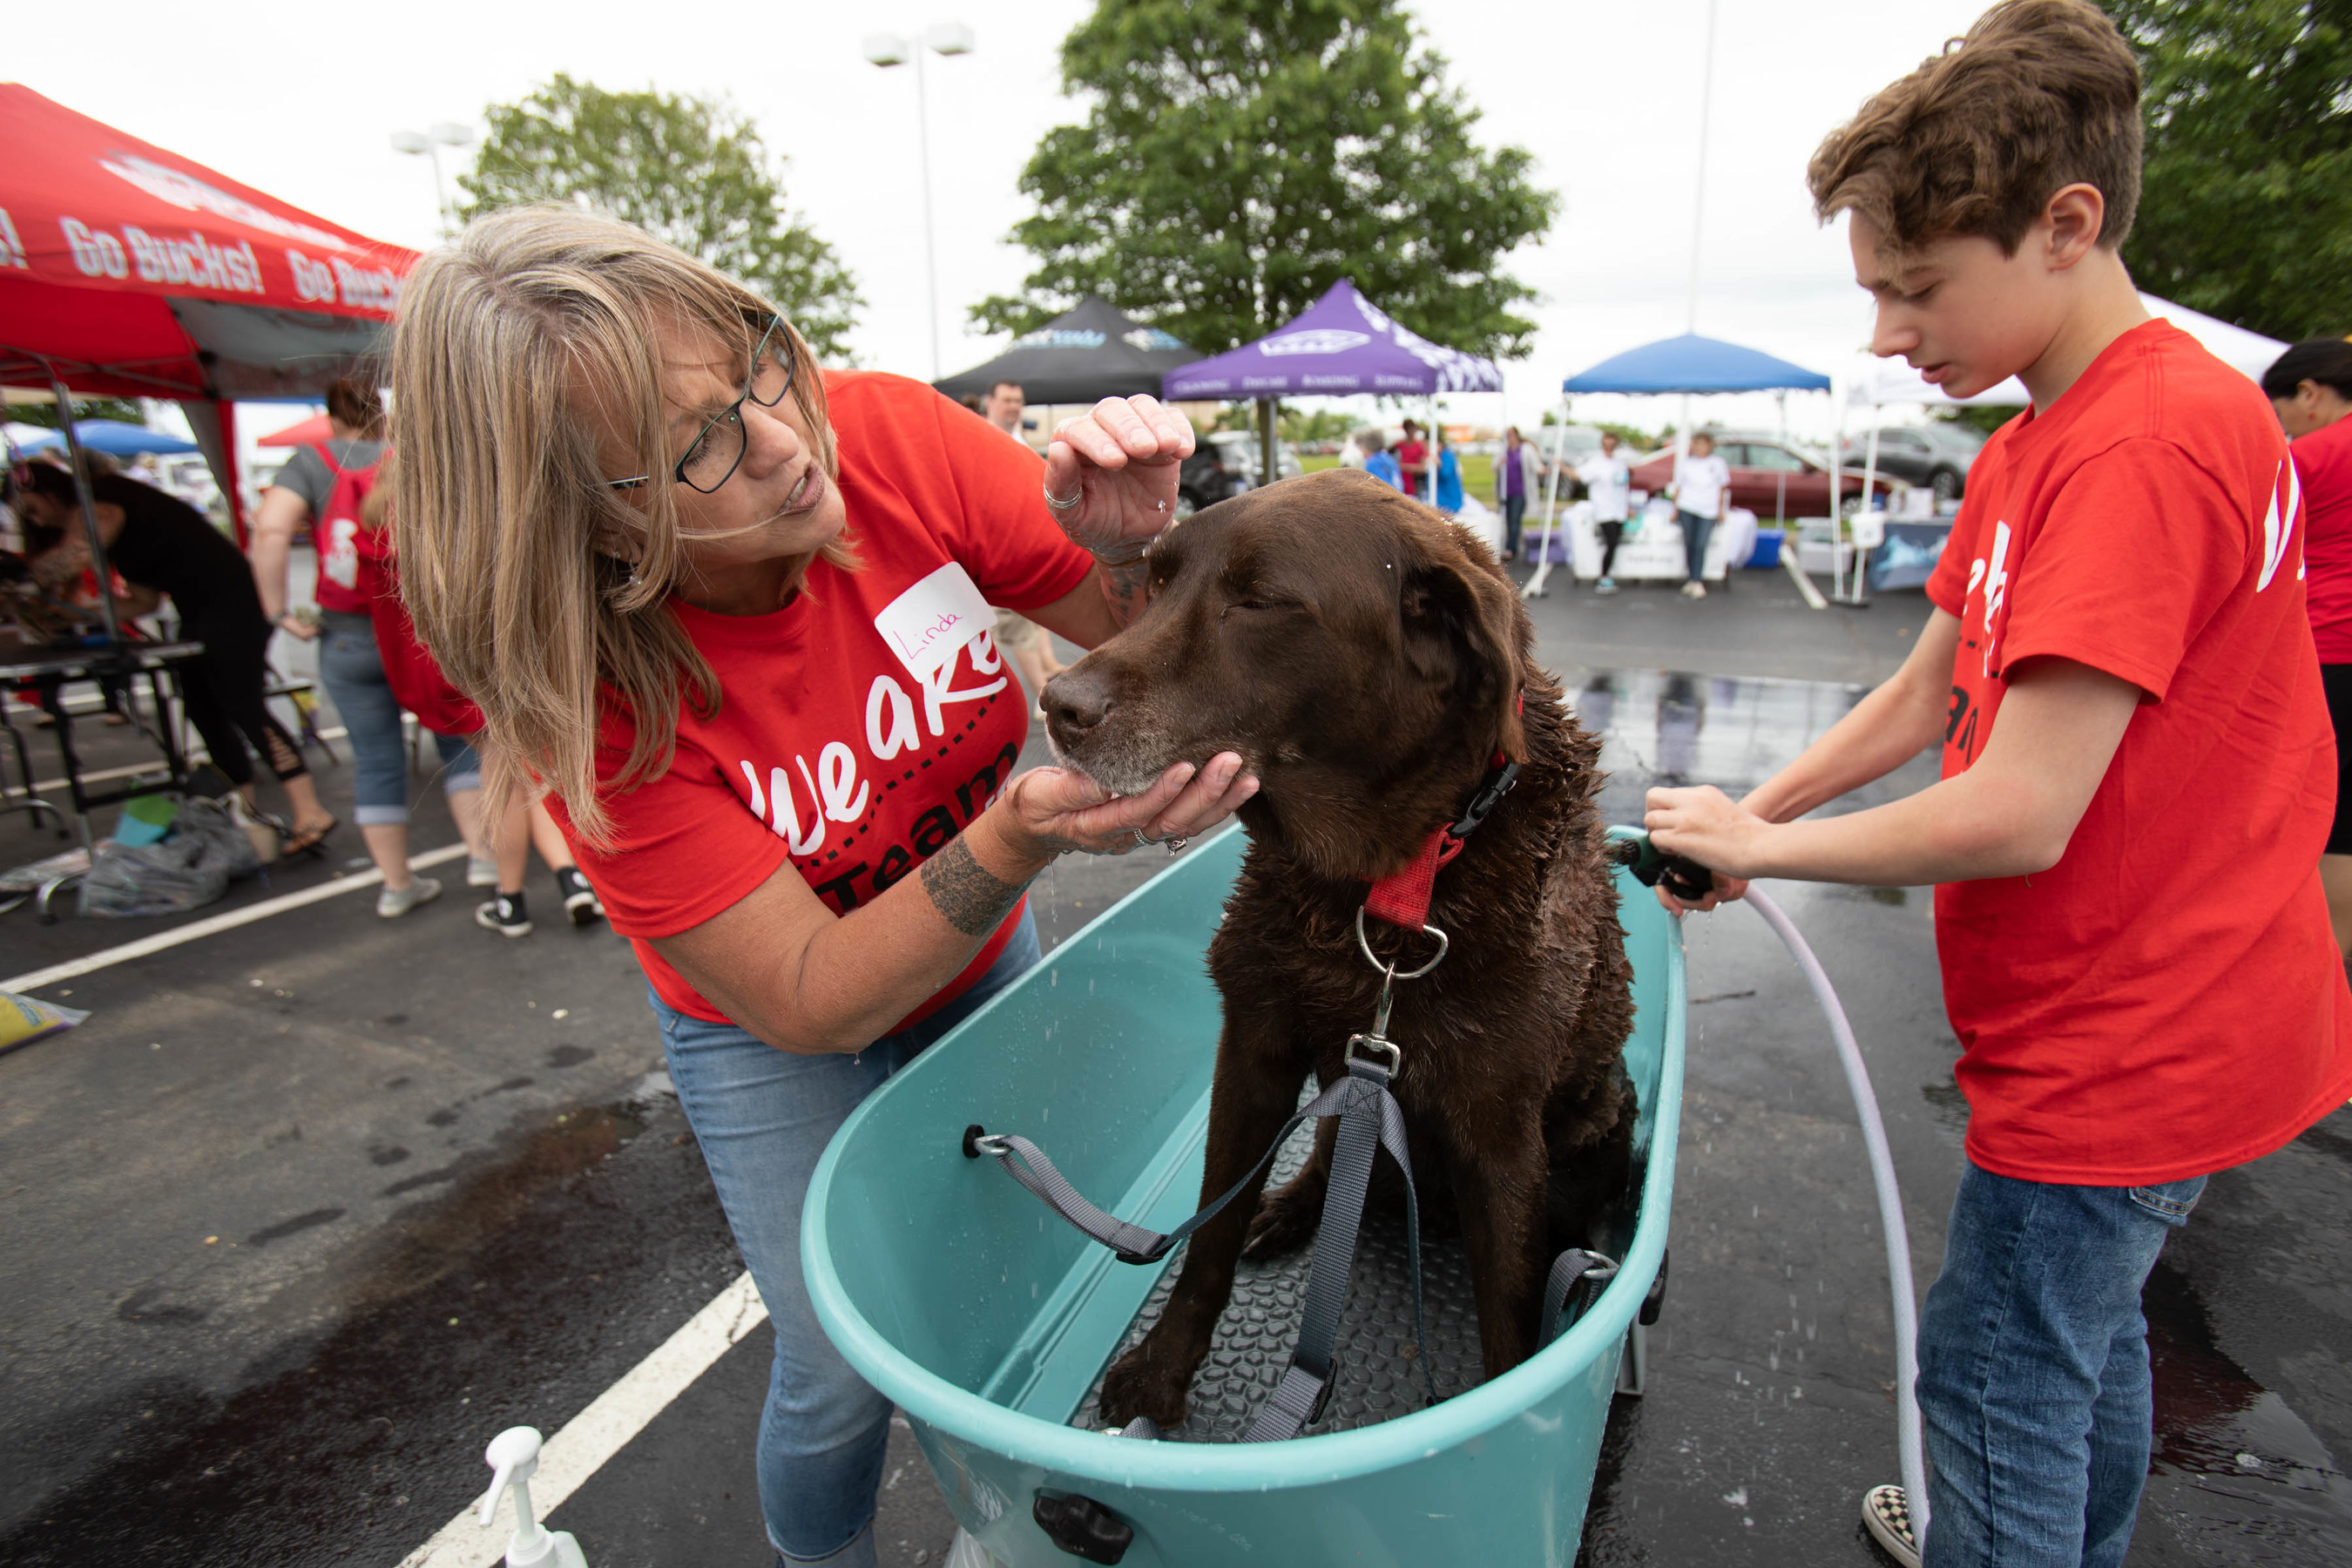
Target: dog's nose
{"type": "Point", "coordinates": [1074, 701]}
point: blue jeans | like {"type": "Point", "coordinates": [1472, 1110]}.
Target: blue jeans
{"type": "Point", "coordinates": [2034, 1376]}
{"type": "Point", "coordinates": [353, 672]}
{"type": "Point", "coordinates": [763, 1117]}
{"type": "Point", "coordinates": [1697, 531]}
{"type": "Point", "coordinates": [1515, 509]}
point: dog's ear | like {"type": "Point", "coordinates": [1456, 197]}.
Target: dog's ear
{"type": "Point", "coordinates": [1461, 619]}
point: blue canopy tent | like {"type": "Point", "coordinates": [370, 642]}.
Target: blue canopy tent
{"type": "Point", "coordinates": [1691, 363]}
{"type": "Point", "coordinates": [115, 437]}
{"type": "Point", "coordinates": [1688, 365]}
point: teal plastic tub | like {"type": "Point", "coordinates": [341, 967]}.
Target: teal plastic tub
{"type": "Point", "coordinates": [988, 1319]}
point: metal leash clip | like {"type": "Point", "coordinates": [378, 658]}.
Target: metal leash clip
{"type": "Point", "coordinates": [1378, 1040]}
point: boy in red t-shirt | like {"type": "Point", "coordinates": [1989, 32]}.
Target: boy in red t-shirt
{"type": "Point", "coordinates": [2137, 775]}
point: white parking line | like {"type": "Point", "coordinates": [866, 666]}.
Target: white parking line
{"type": "Point", "coordinates": [196, 930]}
{"type": "Point", "coordinates": [600, 1431]}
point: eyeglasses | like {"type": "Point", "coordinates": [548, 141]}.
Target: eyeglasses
{"type": "Point", "coordinates": [717, 451]}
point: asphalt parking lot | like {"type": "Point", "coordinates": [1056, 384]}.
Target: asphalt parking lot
{"type": "Point", "coordinates": [315, 1204]}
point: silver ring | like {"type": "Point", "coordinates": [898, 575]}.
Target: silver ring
{"type": "Point", "coordinates": [1175, 842]}
{"type": "Point", "coordinates": [1385, 967]}
{"type": "Point", "coordinates": [1059, 504]}
{"type": "Point", "coordinates": [1141, 838]}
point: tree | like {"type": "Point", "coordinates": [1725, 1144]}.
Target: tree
{"type": "Point", "coordinates": [1318, 423]}
{"type": "Point", "coordinates": [690, 169]}
{"type": "Point", "coordinates": [1241, 155]}
{"type": "Point", "coordinates": [2246, 199]}
{"type": "Point", "coordinates": [45, 414]}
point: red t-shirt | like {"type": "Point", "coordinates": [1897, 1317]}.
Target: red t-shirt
{"type": "Point", "coordinates": [2323, 461]}
{"type": "Point", "coordinates": [2167, 999]}
{"type": "Point", "coordinates": [862, 725]}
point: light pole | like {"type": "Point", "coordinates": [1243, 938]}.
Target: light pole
{"type": "Point", "coordinates": [446, 133]}
{"type": "Point", "coordinates": [887, 49]}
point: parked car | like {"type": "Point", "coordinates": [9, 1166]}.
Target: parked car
{"type": "Point", "coordinates": [1770, 477]}
{"type": "Point", "coordinates": [1933, 457]}
{"type": "Point", "coordinates": [1225, 464]}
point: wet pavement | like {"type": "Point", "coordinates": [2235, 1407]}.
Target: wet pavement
{"type": "Point", "coordinates": [312, 1207]}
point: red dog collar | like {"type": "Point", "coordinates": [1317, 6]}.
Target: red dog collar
{"type": "Point", "coordinates": [1401, 898]}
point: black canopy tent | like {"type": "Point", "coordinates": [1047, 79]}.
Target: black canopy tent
{"type": "Point", "coordinates": [1091, 352]}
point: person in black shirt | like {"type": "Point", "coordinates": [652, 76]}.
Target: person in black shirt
{"type": "Point", "coordinates": [161, 546]}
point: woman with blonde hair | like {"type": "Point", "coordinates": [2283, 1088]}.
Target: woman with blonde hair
{"type": "Point", "coordinates": [731, 612]}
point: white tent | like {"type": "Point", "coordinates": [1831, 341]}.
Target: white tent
{"type": "Point", "coordinates": [1879, 382]}
{"type": "Point", "coordinates": [1874, 382]}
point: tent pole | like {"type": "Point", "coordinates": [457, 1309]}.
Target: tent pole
{"type": "Point", "coordinates": [1869, 484]}
{"type": "Point", "coordinates": [1837, 479]}
{"type": "Point", "coordinates": [80, 471]}
{"type": "Point", "coordinates": [213, 422]}
{"type": "Point", "coordinates": [1781, 499]}
{"type": "Point", "coordinates": [1535, 588]}
{"type": "Point", "coordinates": [1268, 469]}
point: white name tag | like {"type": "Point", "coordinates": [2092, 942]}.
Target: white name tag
{"type": "Point", "coordinates": [927, 624]}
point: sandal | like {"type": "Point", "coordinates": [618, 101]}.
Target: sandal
{"type": "Point", "coordinates": [310, 841]}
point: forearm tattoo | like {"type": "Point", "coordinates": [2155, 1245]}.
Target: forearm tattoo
{"type": "Point", "coordinates": [1125, 587]}
{"type": "Point", "coordinates": [965, 892]}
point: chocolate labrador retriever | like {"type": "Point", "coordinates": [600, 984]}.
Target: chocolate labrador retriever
{"type": "Point", "coordinates": [1368, 660]}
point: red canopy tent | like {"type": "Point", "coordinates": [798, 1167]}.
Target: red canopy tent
{"type": "Point", "coordinates": [129, 271]}
{"type": "Point", "coordinates": [308, 432]}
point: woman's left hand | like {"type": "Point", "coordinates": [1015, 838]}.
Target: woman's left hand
{"type": "Point", "coordinates": [1059, 809]}
{"type": "Point", "coordinates": [1118, 464]}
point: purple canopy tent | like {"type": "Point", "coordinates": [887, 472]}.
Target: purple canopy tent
{"type": "Point", "coordinates": [1342, 343]}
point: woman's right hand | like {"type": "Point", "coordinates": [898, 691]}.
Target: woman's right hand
{"type": "Point", "coordinates": [1055, 810]}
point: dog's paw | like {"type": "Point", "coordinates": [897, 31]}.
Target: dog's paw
{"type": "Point", "coordinates": [1286, 1218]}
{"type": "Point", "coordinates": [1138, 1386]}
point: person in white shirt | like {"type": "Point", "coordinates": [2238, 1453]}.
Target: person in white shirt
{"type": "Point", "coordinates": [1031, 650]}
{"type": "Point", "coordinates": [1002, 407]}
{"type": "Point", "coordinates": [1702, 494]}
{"type": "Point", "coordinates": [1608, 485]}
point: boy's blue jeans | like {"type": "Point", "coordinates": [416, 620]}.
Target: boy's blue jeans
{"type": "Point", "coordinates": [762, 1117]}
{"type": "Point", "coordinates": [2033, 1375]}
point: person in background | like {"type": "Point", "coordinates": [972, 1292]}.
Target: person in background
{"type": "Point", "coordinates": [1702, 494]}
{"type": "Point", "coordinates": [2310, 385]}
{"type": "Point", "coordinates": [1608, 485]}
{"type": "Point", "coordinates": [1413, 460]}
{"type": "Point", "coordinates": [1514, 480]}
{"type": "Point", "coordinates": [1021, 640]}
{"type": "Point", "coordinates": [526, 826]}
{"type": "Point", "coordinates": [1447, 492]}
{"type": "Point", "coordinates": [159, 544]}
{"type": "Point", "coordinates": [350, 665]}
{"type": "Point", "coordinates": [1378, 461]}
{"type": "Point", "coordinates": [1351, 454]}
{"type": "Point", "coordinates": [417, 686]}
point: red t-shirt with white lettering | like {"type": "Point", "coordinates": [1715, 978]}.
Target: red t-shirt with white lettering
{"type": "Point", "coordinates": [860, 727]}
{"type": "Point", "coordinates": [2323, 461]}
{"type": "Point", "coordinates": [2167, 999]}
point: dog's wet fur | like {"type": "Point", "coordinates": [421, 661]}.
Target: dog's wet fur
{"type": "Point", "coordinates": [1368, 659]}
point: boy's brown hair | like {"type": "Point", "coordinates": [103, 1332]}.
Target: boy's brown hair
{"type": "Point", "coordinates": [2040, 94]}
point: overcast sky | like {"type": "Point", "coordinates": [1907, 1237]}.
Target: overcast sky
{"type": "Point", "coordinates": [298, 101]}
